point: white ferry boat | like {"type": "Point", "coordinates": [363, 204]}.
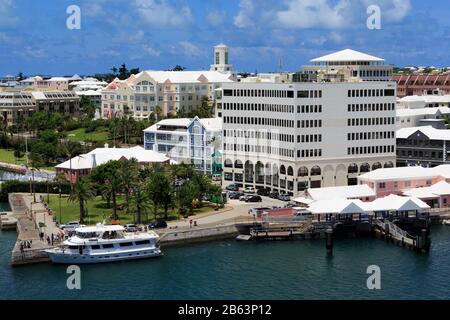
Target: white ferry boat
{"type": "Point", "coordinates": [105, 243]}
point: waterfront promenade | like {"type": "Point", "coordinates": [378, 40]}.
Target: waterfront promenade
{"type": "Point", "coordinates": [30, 216]}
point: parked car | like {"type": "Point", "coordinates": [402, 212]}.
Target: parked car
{"type": "Point", "coordinates": [244, 197]}
{"type": "Point", "coordinates": [263, 192]}
{"type": "Point", "coordinates": [71, 226]}
{"type": "Point", "coordinates": [256, 212]}
{"type": "Point", "coordinates": [253, 198]}
{"type": "Point", "coordinates": [232, 187]}
{"type": "Point", "coordinates": [235, 194]}
{"type": "Point", "coordinates": [131, 228]}
{"type": "Point", "coordinates": [160, 224]}
{"type": "Point", "coordinates": [274, 195]}
{"type": "Point", "coordinates": [284, 197]}
{"type": "Point", "coordinates": [249, 190]}
{"type": "Point", "coordinates": [302, 213]}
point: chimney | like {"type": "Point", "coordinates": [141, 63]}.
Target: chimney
{"type": "Point", "coordinates": [106, 145]}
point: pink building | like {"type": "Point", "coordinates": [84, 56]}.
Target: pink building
{"type": "Point", "coordinates": [396, 180]}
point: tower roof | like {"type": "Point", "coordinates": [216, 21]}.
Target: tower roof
{"type": "Point", "coordinates": [347, 55]}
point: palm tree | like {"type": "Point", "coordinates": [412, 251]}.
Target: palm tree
{"type": "Point", "coordinates": [36, 162]}
{"type": "Point", "coordinates": [160, 192]}
{"type": "Point", "coordinates": [129, 174]}
{"type": "Point", "coordinates": [112, 187]}
{"type": "Point", "coordinates": [82, 192]}
{"type": "Point", "coordinates": [140, 202]}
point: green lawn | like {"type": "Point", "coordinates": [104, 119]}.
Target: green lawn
{"type": "Point", "coordinates": [77, 135]}
{"type": "Point", "coordinates": [98, 211]}
{"type": "Point", "coordinates": [7, 155]}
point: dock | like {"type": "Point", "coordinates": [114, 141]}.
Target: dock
{"type": "Point", "coordinates": [28, 215]}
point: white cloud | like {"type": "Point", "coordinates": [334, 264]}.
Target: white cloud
{"type": "Point", "coordinates": [6, 13]}
{"type": "Point", "coordinates": [190, 49]}
{"type": "Point", "coordinates": [305, 14]}
{"type": "Point", "coordinates": [151, 51]}
{"type": "Point", "coordinates": [216, 18]}
{"type": "Point", "coordinates": [162, 14]}
{"type": "Point", "coordinates": [92, 9]}
{"type": "Point", "coordinates": [337, 14]}
{"type": "Point", "coordinates": [245, 17]}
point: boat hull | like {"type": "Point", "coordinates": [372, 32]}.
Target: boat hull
{"type": "Point", "coordinates": [69, 258]}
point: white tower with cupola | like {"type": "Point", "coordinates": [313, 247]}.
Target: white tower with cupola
{"type": "Point", "coordinates": [221, 63]}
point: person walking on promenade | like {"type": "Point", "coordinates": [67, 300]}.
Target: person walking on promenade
{"type": "Point", "coordinates": [48, 240]}
{"type": "Point", "coordinates": [53, 238]}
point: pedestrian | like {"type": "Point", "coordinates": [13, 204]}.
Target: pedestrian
{"type": "Point", "coordinates": [21, 247]}
{"type": "Point", "coordinates": [190, 223]}
{"type": "Point", "coordinates": [53, 238]}
{"type": "Point", "coordinates": [48, 240]}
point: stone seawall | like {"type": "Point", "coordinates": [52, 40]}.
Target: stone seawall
{"type": "Point", "coordinates": [183, 237]}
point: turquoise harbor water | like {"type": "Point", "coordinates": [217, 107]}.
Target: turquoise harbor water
{"type": "Point", "coordinates": [245, 270]}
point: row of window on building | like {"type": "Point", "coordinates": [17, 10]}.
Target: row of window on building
{"type": "Point", "coordinates": [258, 93]}
{"type": "Point", "coordinates": [260, 121]}
{"type": "Point", "coordinates": [265, 107]}
{"type": "Point", "coordinates": [309, 153]}
{"type": "Point", "coordinates": [370, 107]}
{"type": "Point", "coordinates": [370, 149]}
{"type": "Point", "coordinates": [370, 121]}
{"type": "Point", "coordinates": [259, 149]}
{"type": "Point", "coordinates": [370, 135]}
{"type": "Point", "coordinates": [357, 93]}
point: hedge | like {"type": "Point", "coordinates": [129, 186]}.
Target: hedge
{"type": "Point", "coordinates": [24, 186]}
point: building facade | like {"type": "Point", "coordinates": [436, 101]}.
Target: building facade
{"type": "Point", "coordinates": [192, 141]}
{"type": "Point", "coordinates": [167, 92]}
{"type": "Point", "coordinates": [419, 84]}
{"type": "Point", "coordinates": [65, 102]}
{"type": "Point", "coordinates": [15, 107]}
{"type": "Point", "coordinates": [423, 146]}
{"type": "Point", "coordinates": [293, 136]}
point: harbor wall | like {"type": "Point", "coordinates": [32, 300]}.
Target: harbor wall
{"type": "Point", "coordinates": [183, 237]}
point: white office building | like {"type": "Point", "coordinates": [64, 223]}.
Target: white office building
{"type": "Point", "coordinates": [322, 132]}
{"type": "Point", "coordinates": [193, 141]}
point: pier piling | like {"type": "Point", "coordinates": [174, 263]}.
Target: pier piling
{"type": "Point", "coordinates": [329, 242]}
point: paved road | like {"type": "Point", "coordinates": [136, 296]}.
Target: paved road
{"type": "Point", "coordinates": [239, 208]}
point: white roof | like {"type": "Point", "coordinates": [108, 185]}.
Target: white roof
{"type": "Point", "coordinates": [102, 155]}
{"type": "Point", "coordinates": [347, 55]}
{"type": "Point", "coordinates": [100, 228]}
{"type": "Point", "coordinates": [427, 99]}
{"type": "Point", "coordinates": [337, 205]}
{"type": "Point", "coordinates": [429, 131]}
{"type": "Point", "coordinates": [405, 112]}
{"type": "Point", "coordinates": [394, 202]}
{"type": "Point", "coordinates": [400, 173]}
{"type": "Point", "coordinates": [211, 124]}
{"type": "Point", "coordinates": [38, 95]}
{"type": "Point", "coordinates": [434, 191]}
{"type": "Point", "coordinates": [347, 192]}
{"type": "Point", "coordinates": [186, 76]}
{"type": "Point", "coordinates": [303, 200]}
{"type": "Point", "coordinates": [89, 93]}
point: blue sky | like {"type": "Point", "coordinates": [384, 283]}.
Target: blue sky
{"type": "Point", "coordinates": [158, 34]}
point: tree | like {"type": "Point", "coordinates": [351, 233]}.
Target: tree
{"type": "Point", "coordinates": [123, 72]}
{"type": "Point", "coordinates": [87, 107]}
{"type": "Point", "coordinates": [178, 68]}
{"type": "Point", "coordinates": [140, 202]}
{"type": "Point", "coordinates": [114, 70]}
{"type": "Point", "coordinates": [129, 175]}
{"type": "Point", "coordinates": [185, 197]}
{"type": "Point", "coordinates": [160, 192]}
{"type": "Point", "coordinates": [36, 162]}
{"type": "Point", "coordinates": [81, 193]}
{"type": "Point", "coordinates": [108, 179]}
{"type": "Point", "coordinates": [203, 184]}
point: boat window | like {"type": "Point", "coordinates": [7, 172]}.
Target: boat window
{"type": "Point", "coordinates": [138, 243]}
{"type": "Point", "coordinates": [73, 247]}
{"type": "Point", "coordinates": [107, 246]}
{"type": "Point", "coordinates": [126, 244]}
{"type": "Point", "coordinates": [86, 235]}
{"type": "Point", "coordinates": [95, 247]}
